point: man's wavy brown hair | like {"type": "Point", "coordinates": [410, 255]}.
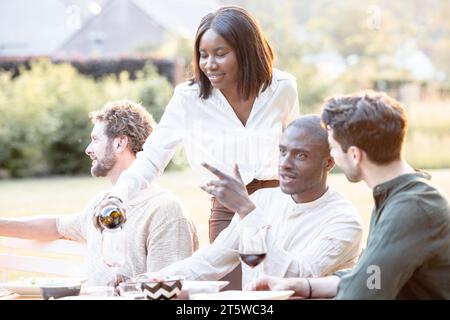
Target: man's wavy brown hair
{"type": "Point", "coordinates": [126, 118]}
{"type": "Point", "coordinates": [369, 120]}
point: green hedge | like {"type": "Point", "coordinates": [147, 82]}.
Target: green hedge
{"type": "Point", "coordinates": [44, 124]}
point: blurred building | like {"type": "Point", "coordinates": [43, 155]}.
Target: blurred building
{"type": "Point", "coordinates": [83, 29]}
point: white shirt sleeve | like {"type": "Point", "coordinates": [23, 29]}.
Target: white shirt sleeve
{"type": "Point", "coordinates": [213, 261]}
{"type": "Point", "coordinates": [157, 151]}
{"type": "Point", "coordinates": [336, 246]}
{"type": "Point", "coordinates": [74, 226]}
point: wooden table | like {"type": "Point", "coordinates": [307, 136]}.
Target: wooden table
{"type": "Point", "coordinates": [15, 296]}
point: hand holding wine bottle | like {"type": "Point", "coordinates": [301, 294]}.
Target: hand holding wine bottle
{"type": "Point", "coordinates": [109, 214]}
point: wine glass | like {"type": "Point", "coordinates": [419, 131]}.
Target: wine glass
{"type": "Point", "coordinates": [113, 249]}
{"type": "Point", "coordinates": [253, 248]}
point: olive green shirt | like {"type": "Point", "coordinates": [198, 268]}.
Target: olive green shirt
{"type": "Point", "coordinates": [408, 246]}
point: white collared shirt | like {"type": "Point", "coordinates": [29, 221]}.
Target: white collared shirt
{"type": "Point", "coordinates": [305, 239]}
{"type": "Point", "coordinates": [211, 132]}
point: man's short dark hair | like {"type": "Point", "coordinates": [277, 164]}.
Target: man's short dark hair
{"type": "Point", "coordinates": [369, 120]}
{"type": "Point", "coordinates": [311, 123]}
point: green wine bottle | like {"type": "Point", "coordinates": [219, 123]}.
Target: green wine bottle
{"type": "Point", "coordinates": [112, 217]}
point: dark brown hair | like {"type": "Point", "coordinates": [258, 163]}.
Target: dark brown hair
{"type": "Point", "coordinates": [253, 52]}
{"type": "Point", "coordinates": [369, 120]}
{"type": "Point", "coordinates": [126, 118]}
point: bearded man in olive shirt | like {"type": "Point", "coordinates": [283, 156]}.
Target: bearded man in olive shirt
{"type": "Point", "coordinates": [408, 247]}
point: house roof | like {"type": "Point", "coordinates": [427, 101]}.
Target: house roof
{"type": "Point", "coordinates": [35, 28]}
{"type": "Point", "coordinates": [180, 16]}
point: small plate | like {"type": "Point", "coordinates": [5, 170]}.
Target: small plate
{"type": "Point", "coordinates": [84, 297]}
{"type": "Point", "coordinates": [30, 286]}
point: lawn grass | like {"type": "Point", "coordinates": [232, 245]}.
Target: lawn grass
{"type": "Point", "coordinates": [428, 139]}
{"type": "Point", "coordinates": [65, 195]}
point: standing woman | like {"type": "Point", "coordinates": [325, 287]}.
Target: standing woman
{"type": "Point", "coordinates": [233, 110]}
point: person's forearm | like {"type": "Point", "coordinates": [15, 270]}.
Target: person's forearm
{"type": "Point", "coordinates": [39, 228]}
{"type": "Point", "coordinates": [325, 287]}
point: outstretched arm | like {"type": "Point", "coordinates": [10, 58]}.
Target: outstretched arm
{"type": "Point", "coordinates": [158, 149]}
{"type": "Point", "coordinates": [38, 228]}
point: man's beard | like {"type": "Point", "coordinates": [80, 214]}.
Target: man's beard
{"type": "Point", "coordinates": [104, 166]}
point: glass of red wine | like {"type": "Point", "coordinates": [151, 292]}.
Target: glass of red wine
{"type": "Point", "coordinates": [253, 248]}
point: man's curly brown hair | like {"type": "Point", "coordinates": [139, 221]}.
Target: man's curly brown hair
{"type": "Point", "coordinates": [125, 118]}
{"type": "Point", "coordinates": [369, 120]}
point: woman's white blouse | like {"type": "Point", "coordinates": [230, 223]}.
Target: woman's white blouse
{"type": "Point", "coordinates": [211, 132]}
